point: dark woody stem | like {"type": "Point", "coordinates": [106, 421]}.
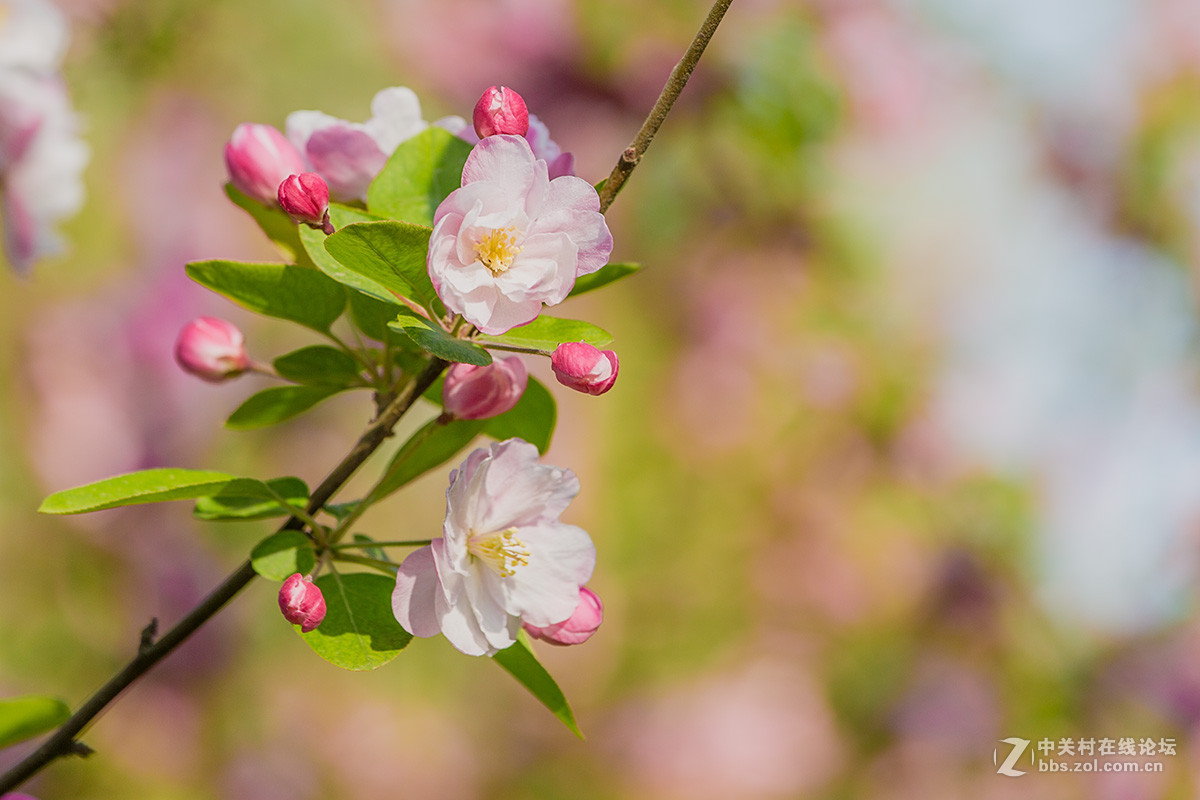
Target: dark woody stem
{"type": "Point", "coordinates": [670, 93]}
{"type": "Point", "coordinates": [63, 741]}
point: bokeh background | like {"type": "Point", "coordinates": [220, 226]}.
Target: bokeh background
{"type": "Point", "coordinates": [904, 458]}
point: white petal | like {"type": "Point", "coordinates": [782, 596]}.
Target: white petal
{"type": "Point", "coordinates": [546, 590]}
{"type": "Point", "coordinates": [414, 601]}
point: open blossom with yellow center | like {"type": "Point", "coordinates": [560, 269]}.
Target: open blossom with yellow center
{"type": "Point", "coordinates": [503, 558]}
{"type": "Point", "coordinates": [511, 239]}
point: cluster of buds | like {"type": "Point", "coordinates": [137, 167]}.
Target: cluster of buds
{"type": "Point", "coordinates": [264, 166]}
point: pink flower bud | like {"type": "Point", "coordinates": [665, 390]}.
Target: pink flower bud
{"type": "Point", "coordinates": [577, 628]}
{"type": "Point", "coordinates": [501, 110]}
{"type": "Point", "coordinates": [584, 368]}
{"type": "Point", "coordinates": [212, 349]}
{"type": "Point", "coordinates": [305, 197]}
{"type": "Point", "coordinates": [301, 602]}
{"type": "Point", "coordinates": [472, 392]}
{"type": "Point", "coordinates": [258, 158]}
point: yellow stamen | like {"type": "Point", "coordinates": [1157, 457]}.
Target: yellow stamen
{"type": "Point", "coordinates": [498, 249]}
{"type": "Point", "coordinates": [500, 550]}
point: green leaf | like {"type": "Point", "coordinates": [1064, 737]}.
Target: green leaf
{"type": "Point", "coordinates": [320, 365]}
{"type": "Point", "coordinates": [547, 333]}
{"type": "Point", "coordinates": [237, 503]}
{"type": "Point", "coordinates": [283, 554]}
{"type": "Point", "coordinates": [531, 419]}
{"type": "Point", "coordinates": [523, 665]}
{"type": "Point", "coordinates": [276, 224]}
{"type": "Point", "coordinates": [431, 446]}
{"type": "Point", "coordinates": [25, 717]}
{"type": "Point", "coordinates": [277, 404]}
{"type": "Point", "coordinates": [134, 488]}
{"type": "Point", "coordinates": [431, 338]}
{"type": "Point", "coordinates": [359, 632]}
{"type": "Point", "coordinates": [418, 176]}
{"type": "Point", "coordinates": [602, 277]}
{"type": "Point", "coordinates": [371, 316]}
{"type": "Point", "coordinates": [314, 245]}
{"type": "Point", "coordinates": [389, 254]}
{"type": "Point", "coordinates": [299, 294]}
{"type": "Point", "coordinates": [342, 215]}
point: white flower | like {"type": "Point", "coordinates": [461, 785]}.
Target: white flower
{"type": "Point", "coordinates": [504, 557]}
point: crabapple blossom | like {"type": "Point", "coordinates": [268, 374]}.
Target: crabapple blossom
{"type": "Point", "coordinates": [301, 602]}
{"type": "Point", "coordinates": [259, 158]}
{"type": "Point", "coordinates": [511, 239]}
{"type": "Point", "coordinates": [577, 628]}
{"type": "Point", "coordinates": [212, 348]}
{"type": "Point", "coordinates": [474, 392]}
{"type": "Point", "coordinates": [348, 155]}
{"type": "Point", "coordinates": [305, 198]}
{"type": "Point", "coordinates": [503, 557]}
{"type": "Point", "coordinates": [585, 368]}
{"type": "Point", "coordinates": [500, 110]}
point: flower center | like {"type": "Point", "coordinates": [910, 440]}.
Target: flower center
{"type": "Point", "coordinates": [498, 249]}
{"type": "Point", "coordinates": [500, 550]}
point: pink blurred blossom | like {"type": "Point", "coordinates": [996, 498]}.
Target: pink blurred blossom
{"type": "Point", "coordinates": [348, 155]}
{"type": "Point", "coordinates": [480, 392]}
{"type": "Point", "coordinates": [259, 158]}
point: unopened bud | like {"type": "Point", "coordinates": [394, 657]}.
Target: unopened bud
{"type": "Point", "coordinates": [258, 158]}
{"type": "Point", "coordinates": [301, 602]}
{"type": "Point", "coordinates": [577, 628]}
{"type": "Point", "coordinates": [305, 198]}
{"type": "Point", "coordinates": [501, 110]}
{"type": "Point", "coordinates": [584, 368]}
{"type": "Point", "coordinates": [472, 392]}
{"type": "Point", "coordinates": [211, 348]}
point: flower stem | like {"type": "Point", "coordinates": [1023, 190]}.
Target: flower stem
{"type": "Point", "coordinates": [367, 544]}
{"type": "Point", "coordinates": [62, 741]}
{"type": "Point", "coordinates": [670, 93]}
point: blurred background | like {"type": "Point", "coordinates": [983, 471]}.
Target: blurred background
{"type": "Point", "coordinates": [904, 458]}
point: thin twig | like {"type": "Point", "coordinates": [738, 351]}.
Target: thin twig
{"type": "Point", "coordinates": [670, 93]}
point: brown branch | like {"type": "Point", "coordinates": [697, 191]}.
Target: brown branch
{"type": "Point", "coordinates": [63, 741]}
{"type": "Point", "coordinates": [670, 93]}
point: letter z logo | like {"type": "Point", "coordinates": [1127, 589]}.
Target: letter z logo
{"type": "Point", "coordinates": [1018, 748]}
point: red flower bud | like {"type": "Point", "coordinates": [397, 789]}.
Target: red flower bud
{"type": "Point", "coordinates": [305, 197]}
{"type": "Point", "coordinates": [472, 392]}
{"type": "Point", "coordinates": [301, 602]}
{"type": "Point", "coordinates": [577, 628]}
{"type": "Point", "coordinates": [585, 368]}
{"type": "Point", "coordinates": [258, 158]}
{"type": "Point", "coordinates": [211, 348]}
{"type": "Point", "coordinates": [501, 110]}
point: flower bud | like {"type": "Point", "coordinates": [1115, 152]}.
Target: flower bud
{"type": "Point", "coordinates": [301, 602]}
{"type": "Point", "coordinates": [258, 158]}
{"type": "Point", "coordinates": [501, 110]}
{"type": "Point", "coordinates": [472, 392]}
{"type": "Point", "coordinates": [577, 628]}
{"type": "Point", "coordinates": [305, 198]}
{"type": "Point", "coordinates": [211, 348]}
{"type": "Point", "coordinates": [584, 368]}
